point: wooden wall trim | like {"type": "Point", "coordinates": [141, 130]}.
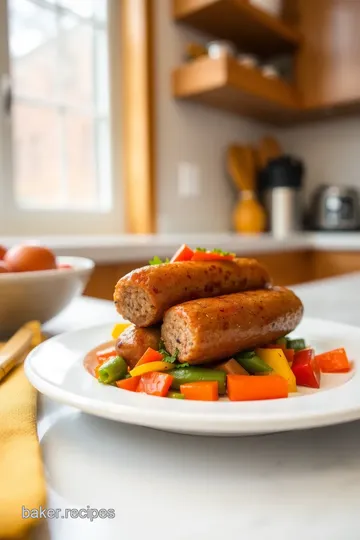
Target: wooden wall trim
{"type": "Point", "coordinates": [138, 126]}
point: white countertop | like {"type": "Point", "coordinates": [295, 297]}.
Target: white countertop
{"type": "Point", "coordinates": [129, 248]}
{"type": "Point", "coordinates": [298, 485]}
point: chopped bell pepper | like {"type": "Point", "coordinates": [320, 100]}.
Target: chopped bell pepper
{"type": "Point", "coordinates": [150, 355]}
{"type": "Point", "coordinates": [184, 253]}
{"type": "Point", "coordinates": [276, 359]}
{"type": "Point", "coordinates": [155, 384]}
{"type": "Point", "coordinates": [306, 368]}
{"type": "Point", "coordinates": [201, 391]}
{"type": "Point", "coordinates": [105, 354]}
{"type": "Point", "coordinates": [130, 384]}
{"type": "Point", "coordinates": [244, 388]}
{"type": "Point", "coordinates": [335, 361]}
{"type": "Point", "coordinates": [119, 329]}
{"type": "Point", "coordinates": [151, 366]}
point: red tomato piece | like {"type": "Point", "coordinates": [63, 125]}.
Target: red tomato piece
{"type": "Point", "coordinates": [306, 368]}
{"type": "Point", "coordinates": [184, 253]}
{"type": "Point", "coordinates": [208, 256]}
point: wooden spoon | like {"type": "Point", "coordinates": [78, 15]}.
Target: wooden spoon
{"type": "Point", "coordinates": [269, 148]}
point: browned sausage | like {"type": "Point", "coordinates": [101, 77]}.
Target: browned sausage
{"type": "Point", "coordinates": [134, 341]}
{"type": "Point", "coordinates": [214, 328]}
{"type": "Point", "coordinates": [144, 295]}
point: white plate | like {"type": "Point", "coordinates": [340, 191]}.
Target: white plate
{"type": "Point", "coordinates": [56, 369]}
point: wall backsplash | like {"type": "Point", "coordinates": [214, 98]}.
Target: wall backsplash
{"type": "Point", "coordinates": [330, 150]}
{"type": "Point", "coordinates": [190, 133]}
{"type": "Point", "coordinates": [187, 132]}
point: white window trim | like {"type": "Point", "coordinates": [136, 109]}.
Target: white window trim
{"type": "Point", "coordinates": [14, 221]}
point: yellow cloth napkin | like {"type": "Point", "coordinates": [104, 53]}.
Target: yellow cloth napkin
{"type": "Point", "coordinates": [22, 481]}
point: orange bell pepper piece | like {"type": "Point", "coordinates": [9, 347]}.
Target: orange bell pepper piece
{"type": "Point", "coordinates": [184, 253]}
{"type": "Point", "coordinates": [155, 383]}
{"type": "Point", "coordinates": [335, 361]}
{"type": "Point", "coordinates": [201, 390]}
{"type": "Point", "coordinates": [150, 355]}
{"type": "Point", "coordinates": [244, 388]}
{"type": "Point", "coordinates": [128, 384]}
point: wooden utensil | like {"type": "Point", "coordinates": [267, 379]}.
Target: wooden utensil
{"type": "Point", "coordinates": [241, 167]}
{"type": "Point", "coordinates": [15, 350]}
{"type": "Point", "coordinates": [249, 215]}
{"type": "Point", "coordinates": [269, 148]}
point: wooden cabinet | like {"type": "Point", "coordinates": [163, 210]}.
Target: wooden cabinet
{"type": "Point", "coordinates": [322, 35]}
{"type": "Point", "coordinates": [327, 71]}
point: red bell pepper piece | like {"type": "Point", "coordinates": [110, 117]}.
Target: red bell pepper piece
{"type": "Point", "coordinates": [150, 355]}
{"type": "Point", "coordinates": [155, 383]}
{"type": "Point", "coordinates": [209, 256]}
{"type": "Point", "coordinates": [184, 253]}
{"type": "Point", "coordinates": [306, 368]}
{"type": "Point", "coordinates": [129, 384]}
{"type": "Point", "coordinates": [335, 361]}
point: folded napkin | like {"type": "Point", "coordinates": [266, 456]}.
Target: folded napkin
{"type": "Point", "coordinates": [22, 481]}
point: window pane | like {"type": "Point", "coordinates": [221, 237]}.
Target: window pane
{"type": "Point", "coordinates": [76, 65]}
{"type": "Point", "coordinates": [59, 60]}
{"type": "Point", "coordinates": [33, 48]}
{"type": "Point", "coordinates": [84, 8]}
{"type": "Point", "coordinates": [80, 167]}
{"type": "Point", "coordinates": [37, 167]}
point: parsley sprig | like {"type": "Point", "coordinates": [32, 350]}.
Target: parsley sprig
{"type": "Point", "coordinates": [171, 358]}
{"type": "Point", "coordinates": [157, 260]}
{"type": "Point", "coordinates": [215, 250]}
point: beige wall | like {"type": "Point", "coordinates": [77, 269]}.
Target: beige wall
{"type": "Point", "coordinates": [187, 132]}
{"type": "Point", "coordinates": [330, 150]}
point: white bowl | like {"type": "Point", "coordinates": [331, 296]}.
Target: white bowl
{"type": "Point", "coordinates": [27, 296]}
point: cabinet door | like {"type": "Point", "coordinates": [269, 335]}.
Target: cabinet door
{"type": "Point", "coordinates": [327, 64]}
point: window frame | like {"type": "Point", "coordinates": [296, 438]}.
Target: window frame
{"type": "Point", "coordinates": [28, 221]}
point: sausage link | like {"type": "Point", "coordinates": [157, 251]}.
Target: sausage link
{"type": "Point", "coordinates": [144, 295]}
{"type": "Point", "coordinates": [134, 341]}
{"type": "Point", "coordinates": [215, 328]}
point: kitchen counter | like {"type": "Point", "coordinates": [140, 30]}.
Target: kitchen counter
{"type": "Point", "coordinates": [129, 248]}
{"type": "Point", "coordinates": [294, 485]}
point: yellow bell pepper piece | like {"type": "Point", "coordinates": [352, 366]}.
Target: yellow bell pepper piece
{"type": "Point", "coordinates": [151, 366]}
{"type": "Point", "coordinates": [119, 329]}
{"type": "Point", "coordinates": [276, 359]}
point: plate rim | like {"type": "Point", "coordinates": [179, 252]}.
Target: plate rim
{"type": "Point", "coordinates": [212, 423]}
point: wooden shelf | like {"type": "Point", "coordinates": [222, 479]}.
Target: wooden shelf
{"type": "Point", "coordinates": [251, 29]}
{"type": "Point", "coordinates": [225, 84]}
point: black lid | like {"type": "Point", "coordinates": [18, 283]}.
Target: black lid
{"type": "Point", "coordinates": [285, 171]}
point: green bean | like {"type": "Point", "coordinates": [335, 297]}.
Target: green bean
{"type": "Point", "coordinates": [297, 344]}
{"type": "Point", "coordinates": [253, 364]}
{"type": "Point", "coordinates": [113, 370]}
{"type": "Point", "coordinates": [195, 374]}
{"type": "Point", "coordinates": [175, 395]}
{"type": "Point", "coordinates": [281, 341]}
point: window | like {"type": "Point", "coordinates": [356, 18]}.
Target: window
{"type": "Point", "coordinates": [57, 130]}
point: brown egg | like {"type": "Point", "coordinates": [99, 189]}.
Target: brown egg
{"type": "Point", "coordinates": [3, 268]}
{"type": "Point", "coordinates": [29, 258]}
{"type": "Point", "coordinates": [2, 252]}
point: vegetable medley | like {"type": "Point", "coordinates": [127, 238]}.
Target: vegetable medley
{"type": "Point", "coordinates": [270, 372]}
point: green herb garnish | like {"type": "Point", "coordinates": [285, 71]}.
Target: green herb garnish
{"type": "Point", "coordinates": [221, 252]}
{"type": "Point", "coordinates": [204, 250]}
{"type": "Point", "coordinates": [171, 358]}
{"type": "Point", "coordinates": [157, 260]}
